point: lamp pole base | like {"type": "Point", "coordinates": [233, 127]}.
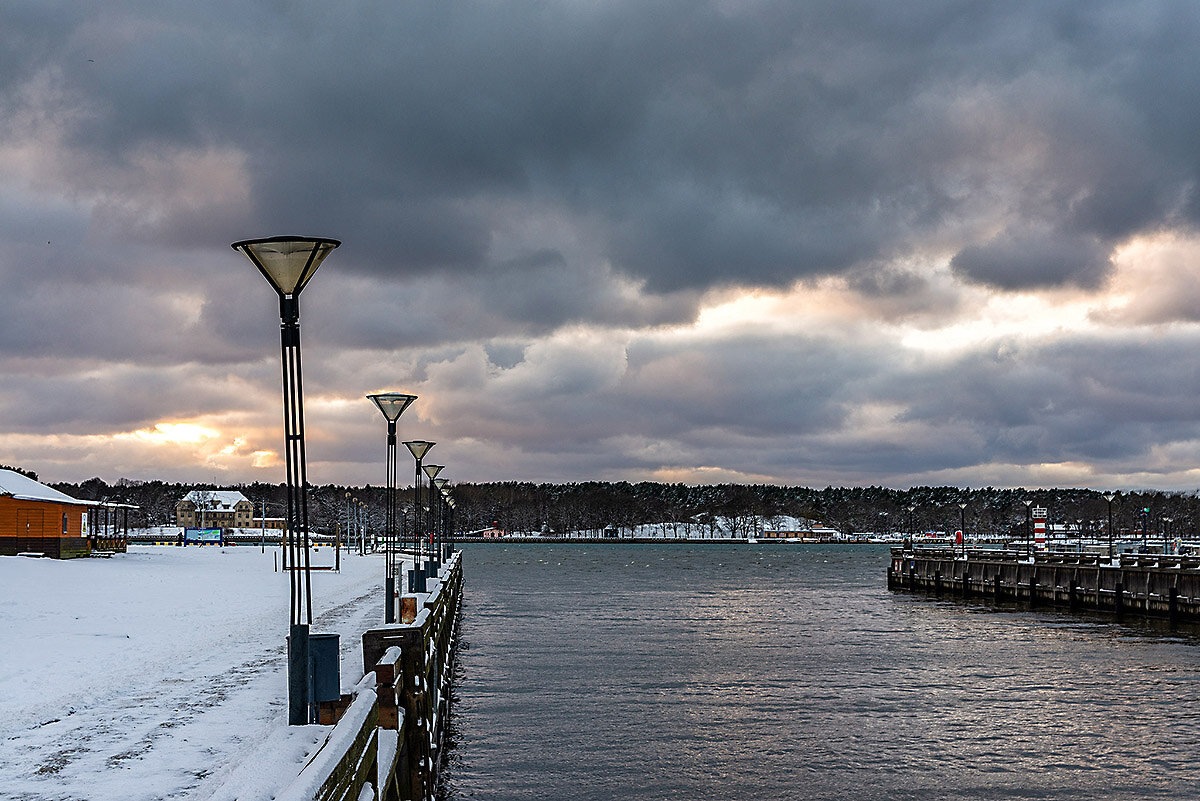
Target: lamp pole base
{"type": "Point", "coordinates": [298, 678]}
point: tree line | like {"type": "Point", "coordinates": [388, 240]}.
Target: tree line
{"type": "Point", "coordinates": [596, 506]}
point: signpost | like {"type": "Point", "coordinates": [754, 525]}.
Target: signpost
{"type": "Point", "coordinates": [202, 536]}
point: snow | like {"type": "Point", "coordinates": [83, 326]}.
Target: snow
{"type": "Point", "coordinates": [338, 742]}
{"type": "Point", "coordinates": [25, 488]}
{"type": "Point", "coordinates": [161, 673]}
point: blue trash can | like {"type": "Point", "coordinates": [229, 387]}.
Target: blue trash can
{"type": "Point", "coordinates": [325, 669]}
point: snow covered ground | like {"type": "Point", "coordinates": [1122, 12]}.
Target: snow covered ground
{"type": "Point", "coordinates": [160, 673]}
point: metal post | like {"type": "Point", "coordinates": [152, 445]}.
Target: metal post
{"type": "Point", "coordinates": [296, 531]}
{"type": "Point", "coordinates": [1109, 498]}
{"type": "Point", "coordinates": [389, 526]}
{"type": "Point", "coordinates": [962, 527]}
{"type": "Point", "coordinates": [1029, 527]}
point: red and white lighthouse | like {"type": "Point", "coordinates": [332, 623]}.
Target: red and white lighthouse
{"type": "Point", "coordinates": [1039, 528]}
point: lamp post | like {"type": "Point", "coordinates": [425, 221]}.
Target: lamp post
{"type": "Point", "coordinates": [443, 497]}
{"type": "Point", "coordinates": [1166, 532]}
{"type": "Point", "coordinates": [450, 522]}
{"type": "Point", "coordinates": [1028, 525]}
{"type": "Point", "coordinates": [912, 532]}
{"type": "Point", "coordinates": [418, 448]}
{"type": "Point", "coordinates": [1109, 497]}
{"type": "Point", "coordinates": [364, 526]}
{"type": "Point", "coordinates": [962, 527]}
{"type": "Point", "coordinates": [392, 404]}
{"type": "Point", "coordinates": [431, 471]}
{"type": "Point", "coordinates": [288, 263]}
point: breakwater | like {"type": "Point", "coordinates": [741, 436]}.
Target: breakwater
{"type": "Point", "coordinates": [1152, 585]}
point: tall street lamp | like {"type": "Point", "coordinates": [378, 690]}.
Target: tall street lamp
{"type": "Point", "coordinates": [443, 498]}
{"type": "Point", "coordinates": [431, 471]}
{"type": "Point", "coordinates": [450, 522]}
{"type": "Point", "coordinates": [912, 532]}
{"type": "Point", "coordinates": [418, 448]}
{"type": "Point", "coordinates": [392, 404]}
{"type": "Point", "coordinates": [1029, 525]}
{"type": "Point", "coordinates": [1109, 497]}
{"type": "Point", "coordinates": [288, 263]}
{"type": "Point", "coordinates": [962, 527]}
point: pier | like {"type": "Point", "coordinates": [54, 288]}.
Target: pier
{"type": "Point", "coordinates": [386, 737]}
{"type": "Point", "coordinates": [1152, 585]}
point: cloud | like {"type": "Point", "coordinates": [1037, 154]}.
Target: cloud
{"type": "Point", "coordinates": [1030, 259]}
{"type": "Point", "coordinates": [863, 242]}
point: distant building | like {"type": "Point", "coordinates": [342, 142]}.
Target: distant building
{"type": "Point", "coordinates": [214, 509]}
{"type": "Point", "coordinates": [35, 518]}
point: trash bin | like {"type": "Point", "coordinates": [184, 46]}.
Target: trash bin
{"type": "Point", "coordinates": [324, 668]}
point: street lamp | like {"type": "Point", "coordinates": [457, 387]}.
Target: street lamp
{"type": "Point", "coordinates": [392, 404]}
{"type": "Point", "coordinates": [418, 448]}
{"type": "Point", "coordinates": [1109, 497]}
{"type": "Point", "coordinates": [443, 497]}
{"type": "Point", "coordinates": [288, 263]}
{"type": "Point", "coordinates": [912, 532]}
{"type": "Point", "coordinates": [1166, 531]}
{"type": "Point", "coordinates": [1029, 525]}
{"type": "Point", "coordinates": [431, 471]}
{"type": "Point", "coordinates": [962, 527]}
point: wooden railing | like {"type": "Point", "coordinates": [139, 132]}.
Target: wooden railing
{"type": "Point", "coordinates": [387, 743]}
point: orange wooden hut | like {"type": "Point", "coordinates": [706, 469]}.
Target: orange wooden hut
{"type": "Point", "coordinates": [35, 518]}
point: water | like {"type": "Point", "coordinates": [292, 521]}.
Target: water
{"type": "Point", "coordinates": [790, 672]}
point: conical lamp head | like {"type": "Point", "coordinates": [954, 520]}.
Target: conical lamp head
{"type": "Point", "coordinates": [287, 262]}
{"type": "Point", "coordinates": [432, 470]}
{"type": "Point", "coordinates": [441, 482]}
{"type": "Point", "coordinates": [392, 404]}
{"type": "Point", "coordinates": [418, 447]}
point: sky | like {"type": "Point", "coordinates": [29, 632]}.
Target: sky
{"type": "Point", "coordinates": [797, 243]}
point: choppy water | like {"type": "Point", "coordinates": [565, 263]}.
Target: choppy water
{"type": "Point", "coordinates": [790, 672]}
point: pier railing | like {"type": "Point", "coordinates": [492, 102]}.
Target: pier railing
{"type": "Point", "coordinates": [1155, 585]}
{"type": "Point", "coordinates": [388, 736]}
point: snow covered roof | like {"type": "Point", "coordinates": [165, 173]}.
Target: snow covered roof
{"type": "Point", "coordinates": [24, 488]}
{"type": "Point", "coordinates": [215, 499]}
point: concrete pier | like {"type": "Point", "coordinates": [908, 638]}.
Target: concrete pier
{"type": "Point", "coordinates": [1152, 585]}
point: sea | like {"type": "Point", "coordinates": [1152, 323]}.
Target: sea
{"type": "Point", "coordinates": [790, 671]}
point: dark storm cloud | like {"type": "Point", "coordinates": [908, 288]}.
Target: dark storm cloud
{"type": "Point", "coordinates": [700, 144]}
{"type": "Point", "coordinates": [1076, 399]}
{"type": "Point", "coordinates": [1037, 259]}
{"type": "Point", "coordinates": [117, 400]}
{"type": "Point", "coordinates": [504, 174]}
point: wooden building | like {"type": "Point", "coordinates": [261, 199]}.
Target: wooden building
{"type": "Point", "coordinates": [35, 518]}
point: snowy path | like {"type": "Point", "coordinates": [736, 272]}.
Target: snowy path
{"type": "Point", "coordinates": [156, 674]}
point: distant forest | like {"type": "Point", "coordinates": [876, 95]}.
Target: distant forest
{"type": "Point", "coordinates": [594, 506]}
